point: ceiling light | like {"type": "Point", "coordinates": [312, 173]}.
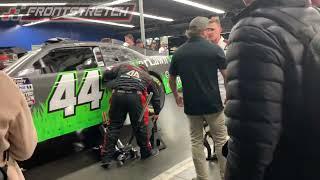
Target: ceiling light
{"type": "Point", "coordinates": [145, 15]}
{"type": "Point", "coordinates": [37, 22]}
{"type": "Point", "coordinates": [152, 16]}
{"type": "Point", "coordinates": [102, 22]}
{"type": "Point", "coordinates": [201, 6]}
{"type": "Point", "coordinates": [32, 4]}
{"type": "Point", "coordinates": [115, 3]}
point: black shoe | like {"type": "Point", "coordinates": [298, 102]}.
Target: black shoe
{"type": "Point", "coordinates": [153, 152]}
{"type": "Point", "coordinates": [106, 162]}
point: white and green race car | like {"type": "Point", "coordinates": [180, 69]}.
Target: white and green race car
{"type": "Point", "coordinates": [62, 82]}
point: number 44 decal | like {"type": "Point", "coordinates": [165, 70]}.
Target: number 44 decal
{"type": "Point", "coordinates": [64, 97]}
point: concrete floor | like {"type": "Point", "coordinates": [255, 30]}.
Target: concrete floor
{"type": "Point", "coordinates": [84, 165]}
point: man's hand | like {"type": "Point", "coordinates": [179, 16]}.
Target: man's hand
{"type": "Point", "coordinates": [173, 86]}
{"type": "Point", "coordinates": [155, 118]}
{"type": "Point", "coordinates": [179, 100]}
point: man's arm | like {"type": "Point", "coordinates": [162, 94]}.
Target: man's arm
{"type": "Point", "coordinates": [224, 75]}
{"type": "Point", "coordinates": [155, 100]}
{"type": "Point", "coordinates": [222, 65]}
{"type": "Point", "coordinates": [173, 86]}
{"type": "Point", "coordinates": [254, 107]}
{"type": "Point", "coordinates": [111, 73]}
{"type": "Point", "coordinates": [173, 71]}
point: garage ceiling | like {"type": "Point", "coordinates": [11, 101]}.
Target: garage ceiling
{"type": "Point", "coordinates": [181, 14]}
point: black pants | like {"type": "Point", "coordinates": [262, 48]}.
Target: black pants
{"type": "Point", "coordinates": [120, 105]}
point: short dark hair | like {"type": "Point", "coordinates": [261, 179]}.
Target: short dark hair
{"type": "Point", "coordinates": [106, 40]}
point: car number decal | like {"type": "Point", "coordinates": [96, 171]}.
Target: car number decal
{"type": "Point", "coordinates": [64, 95]}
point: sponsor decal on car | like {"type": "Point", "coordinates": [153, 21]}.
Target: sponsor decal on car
{"type": "Point", "coordinates": [27, 89]}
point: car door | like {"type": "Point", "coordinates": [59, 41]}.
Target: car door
{"type": "Point", "coordinates": [68, 91]}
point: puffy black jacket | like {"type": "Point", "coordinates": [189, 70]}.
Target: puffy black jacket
{"type": "Point", "coordinates": [128, 77]}
{"type": "Point", "coordinates": [271, 138]}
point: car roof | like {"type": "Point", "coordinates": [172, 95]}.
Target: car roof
{"type": "Point", "coordinates": [76, 44]}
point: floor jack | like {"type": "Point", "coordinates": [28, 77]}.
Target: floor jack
{"type": "Point", "coordinates": [128, 152]}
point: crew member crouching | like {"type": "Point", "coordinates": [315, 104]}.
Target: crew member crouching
{"type": "Point", "coordinates": [130, 86]}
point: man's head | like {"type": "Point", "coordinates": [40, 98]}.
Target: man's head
{"type": "Point", "coordinates": [106, 40]}
{"type": "Point", "coordinates": [197, 27]}
{"type": "Point", "coordinates": [139, 43]}
{"type": "Point", "coordinates": [129, 39]}
{"type": "Point", "coordinates": [214, 29]}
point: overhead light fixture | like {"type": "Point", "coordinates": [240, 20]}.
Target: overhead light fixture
{"type": "Point", "coordinates": [152, 16]}
{"type": "Point", "coordinates": [201, 6]}
{"type": "Point", "coordinates": [31, 4]}
{"type": "Point", "coordinates": [115, 3]}
{"type": "Point", "coordinates": [145, 15]}
{"type": "Point", "coordinates": [102, 22]}
{"type": "Point", "coordinates": [14, 15]}
{"type": "Point", "coordinates": [37, 22]}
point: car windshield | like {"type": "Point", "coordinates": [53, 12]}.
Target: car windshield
{"type": "Point", "coordinates": [24, 58]}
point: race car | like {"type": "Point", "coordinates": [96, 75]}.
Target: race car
{"type": "Point", "coordinates": [62, 82]}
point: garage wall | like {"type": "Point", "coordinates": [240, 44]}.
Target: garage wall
{"type": "Point", "coordinates": [25, 37]}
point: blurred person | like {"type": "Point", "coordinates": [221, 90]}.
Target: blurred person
{"type": "Point", "coordinates": [163, 50]}
{"type": "Point", "coordinates": [106, 40]}
{"type": "Point", "coordinates": [139, 43]}
{"type": "Point", "coordinates": [213, 34]}
{"type": "Point", "coordinates": [129, 40]}
{"type": "Point", "coordinates": [272, 109]}
{"type": "Point", "coordinates": [196, 62]}
{"type": "Point", "coordinates": [18, 137]}
{"type": "Point", "coordinates": [154, 46]}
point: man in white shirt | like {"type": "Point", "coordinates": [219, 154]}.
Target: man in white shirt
{"type": "Point", "coordinates": [213, 34]}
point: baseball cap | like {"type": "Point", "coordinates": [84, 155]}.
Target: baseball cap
{"type": "Point", "coordinates": [199, 23]}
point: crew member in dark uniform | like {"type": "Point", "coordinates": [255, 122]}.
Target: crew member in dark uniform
{"type": "Point", "coordinates": [130, 87]}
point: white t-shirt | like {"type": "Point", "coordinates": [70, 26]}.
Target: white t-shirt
{"type": "Point", "coordinates": [222, 43]}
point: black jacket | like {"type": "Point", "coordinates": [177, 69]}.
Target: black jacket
{"type": "Point", "coordinates": [131, 78]}
{"type": "Point", "coordinates": [271, 138]}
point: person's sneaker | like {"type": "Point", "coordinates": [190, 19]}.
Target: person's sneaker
{"type": "Point", "coordinates": [153, 152]}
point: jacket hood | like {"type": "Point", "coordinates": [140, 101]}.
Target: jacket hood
{"type": "Point", "coordinates": [287, 3]}
{"type": "Point", "coordinates": [270, 3]}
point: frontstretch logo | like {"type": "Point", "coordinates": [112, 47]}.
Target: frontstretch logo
{"type": "Point", "coordinates": [11, 14]}
{"type": "Point", "coordinates": [61, 13]}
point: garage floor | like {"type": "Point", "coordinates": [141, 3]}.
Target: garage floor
{"type": "Point", "coordinates": [172, 163]}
